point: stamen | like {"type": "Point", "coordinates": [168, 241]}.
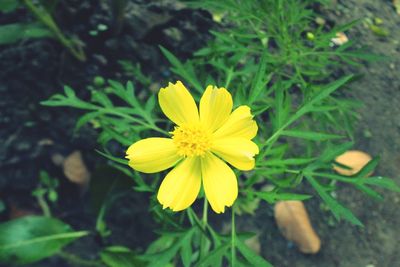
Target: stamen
{"type": "Point", "coordinates": [191, 140]}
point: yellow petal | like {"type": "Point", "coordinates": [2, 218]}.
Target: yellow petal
{"type": "Point", "coordinates": [181, 186]}
{"type": "Point", "coordinates": [215, 107]}
{"type": "Point", "coordinates": [239, 152]}
{"type": "Point", "coordinates": [152, 154]}
{"type": "Point", "coordinates": [239, 124]}
{"type": "Point", "coordinates": [178, 104]}
{"type": "Point", "coordinates": [219, 182]}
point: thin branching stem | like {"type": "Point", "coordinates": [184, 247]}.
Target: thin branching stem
{"type": "Point", "coordinates": [233, 239]}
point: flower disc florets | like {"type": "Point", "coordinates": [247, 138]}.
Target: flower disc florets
{"type": "Point", "coordinates": [191, 140]}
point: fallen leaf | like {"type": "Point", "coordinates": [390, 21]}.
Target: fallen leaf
{"type": "Point", "coordinates": [354, 159]}
{"type": "Point", "coordinates": [76, 171]}
{"type": "Point", "coordinates": [294, 223]}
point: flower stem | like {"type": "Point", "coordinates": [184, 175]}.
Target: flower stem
{"type": "Point", "coordinates": [43, 16]}
{"type": "Point", "coordinates": [233, 241]}
{"type": "Point", "coordinates": [43, 206]}
{"type": "Point", "coordinates": [205, 212]}
{"type": "Point", "coordinates": [203, 239]}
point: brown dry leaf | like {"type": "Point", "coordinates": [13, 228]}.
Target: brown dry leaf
{"type": "Point", "coordinates": [294, 223]}
{"type": "Point", "coordinates": [354, 159]}
{"type": "Point", "coordinates": [75, 169]}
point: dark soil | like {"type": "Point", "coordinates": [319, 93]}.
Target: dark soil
{"type": "Point", "coordinates": [31, 134]}
{"type": "Point", "coordinates": [36, 69]}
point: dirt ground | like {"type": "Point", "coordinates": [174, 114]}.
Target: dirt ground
{"type": "Point", "coordinates": [35, 70]}
{"type": "Point", "coordinates": [378, 133]}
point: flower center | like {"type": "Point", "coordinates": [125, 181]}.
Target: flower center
{"type": "Point", "coordinates": [191, 140]}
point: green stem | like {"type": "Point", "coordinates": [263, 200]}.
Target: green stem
{"type": "Point", "coordinates": [100, 220]}
{"type": "Point", "coordinates": [78, 261]}
{"type": "Point", "coordinates": [138, 121]}
{"type": "Point", "coordinates": [43, 206]}
{"type": "Point", "coordinates": [203, 239]}
{"type": "Point", "coordinates": [43, 16]}
{"type": "Point", "coordinates": [233, 241]}
{"type": "Point", "coordinates": [292, 171]}
{"type": "Point", "coordinates": [194, 220]}
{"type": "Point", "coordinates": [205, 212]}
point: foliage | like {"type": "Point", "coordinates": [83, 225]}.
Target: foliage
{"type": "Point", "coordinates": [14, 32]}
{"type": "Point", "coordinates": [47, 190]}
{"type": "Point", "coordinates": [33, 238]}
{"type": "Point", "coordinates": [44, 27]}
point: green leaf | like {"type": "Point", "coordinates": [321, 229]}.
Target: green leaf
{"type": "Point", "coordinates": [282, 105]}
{"type": "Point", "coordinates": [111, 157]}
{"type": "Point", "coordinates": [315, 136]}
{"type": "Point", "coordinates": [127, 94]}
{"type": "Point", "coordinates": [33, 238]}
{"type": "Point", "coordinates": [187, 253]}
{"type": "Point", "coordinates": [307, 107]}
{"type": "Point", "coordinates": [338, 210]}
{"type": "Point", "coordinates": [332, 152]}
{"type": "Point", "coordinates": [277, 151]}
{"type": "Point", "coordinates": [102, 99]}
{"type": "Point", "coordinates": [69, 92]}
{"type": "Point", "coordinates": [86, 118]}
{"type": "Point", "coordinates": [260, 80]}
{"type": "Point", "coordinates": [318, 97]}
{"type": "Point", "coordinates": [345, 27]}
{"type": "Point", "coordinates": [380, 31]}
{"type": "Point", "coordinates": [180, 69]}
{"type": "Point", "coordinates": [284, 162]}
{"type": "Point", "coordinates": [383, 182]}
{"type": "Point", "coordinates": [8, 5]}
{"type": "Point", "coordinates": [106, 183]}
{"type": "Point", "coordinates": [367, 169]}
{"type": "Point", "coordinates": [150, 104]}
{"type": "Point", "coordinates": [251, 256]}
{"type": "Point", "coordinates": [214, 258]}
{"type": "Point", "coordinates": [162, 258]}
{"type": "Point", "coordinates": [160, 244]}
{"type": "Point", "coordinates": [116, 135]}
{"type": "Point", "coordinates": [117, 256]}
{"type": "Point", "coordinates": [272, 197]}
{"type": "Point", "coordinates": [370, 192]}
{"type": "Point", "coordinates": [12, 33]}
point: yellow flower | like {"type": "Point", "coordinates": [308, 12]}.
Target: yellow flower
{"type": "Point", "coordinates": [197, 146]}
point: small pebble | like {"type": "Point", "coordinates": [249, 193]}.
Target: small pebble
{"type": "Point", "coordinates": [23, 145]}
